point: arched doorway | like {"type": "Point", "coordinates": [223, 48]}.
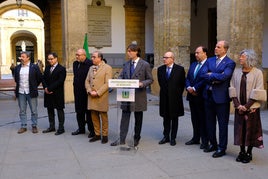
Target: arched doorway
{"type": "Point", "coordinates": [20, 27]}
{"type": "Point", "coordinates": [24, 41]}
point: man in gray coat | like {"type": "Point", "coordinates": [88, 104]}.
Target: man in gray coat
{"type": "Point", "coordinates": [135, 68]}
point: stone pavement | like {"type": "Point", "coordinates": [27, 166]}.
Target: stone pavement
{"type": "Point", "coordinates": [45, 156]}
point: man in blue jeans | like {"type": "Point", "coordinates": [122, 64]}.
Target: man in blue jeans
{"type": "Point", "coordinates": [27, 77]}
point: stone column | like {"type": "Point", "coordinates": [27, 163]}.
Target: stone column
{"type": "Point", "coordinates": [243, 26]}
{"type": "Point", "coordinates": [74, 24]}
{"type": "Point", "coordinates": [135, 24]}
{"type": "Point", "coordinates": [55, 29]}
{"type": "Point", "coordinates": [74, 27]}
{"type": "Point", "coordinates": [171, 32]}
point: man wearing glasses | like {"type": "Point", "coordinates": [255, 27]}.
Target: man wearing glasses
{"type": "Point", "coordinates": [80, 69]}
{"type": "Point", "coordinates": [171, 79]}
{"type": "Point", "coordinates": [53, 84]}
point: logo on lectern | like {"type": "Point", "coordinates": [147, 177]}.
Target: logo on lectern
{"type": "Point", "coordinates": [125, 94]}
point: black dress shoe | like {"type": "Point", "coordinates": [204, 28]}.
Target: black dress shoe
{"type": "Point", "coordinates": [77, 132]}
{"type": "Point", "coordinates": [91, 134]}
{"type": "Point", "coordinates": [117, 142]}
{"type": "Point", "coordinates": [95, 138]}
{"type": "Point", "coordinates": [240, 157]}
{"type": "Point", "coordinates": [247, 158]}
{"type": "Point", "coordinates": [49, 130]}
{"type": "Point", "coordinates": [203, 146]}
{"type": "Point", "coordinates": [104, 139]}
{"type": "Point", "coordinates": [218, 153]}
{"type": "Point", "coordinates": [210, 148]}
{"type": "Point", "coordinates": [192, 142]}
{"type": "Point", "coordinates": [172, 142]}
{"type": "Point", "coordinates": [136, 142]}
{"type": "Point", "coordinates": [59, 132]}
{"type": "Point", "coordinates": [164, 140]}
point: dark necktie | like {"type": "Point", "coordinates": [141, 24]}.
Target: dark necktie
{"type": "Point", "coordinates": [132, 68]}
{"type": "Point", "coordinates": [51, 69]}
{"type": "Point", "coordinates": [168, 72]}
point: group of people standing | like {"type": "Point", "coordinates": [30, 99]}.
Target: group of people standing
{"type": "Point", "coordinates": [211, 84]}
{"type": "Point", "coordinates": [90, 93]}
{"type": "Point", "coordinates": [28, 77]}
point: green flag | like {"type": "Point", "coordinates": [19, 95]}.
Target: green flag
{"type": "Point", "coordinates": [85, 46]}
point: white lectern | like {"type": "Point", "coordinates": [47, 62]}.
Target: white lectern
{"type": "Point", "coordinates": [125, 97]}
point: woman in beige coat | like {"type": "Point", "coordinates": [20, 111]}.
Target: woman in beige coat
{"type": "Point", "coordinates": [246, 90]}
{"type": "Point", "coordinates": [98, 95]}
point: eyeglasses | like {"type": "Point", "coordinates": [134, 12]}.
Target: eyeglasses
{"type": "Point", "coordinates": [50, 59]}
{"type": "Point", "coordinates": [166, 57]}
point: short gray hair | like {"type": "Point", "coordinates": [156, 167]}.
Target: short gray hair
{"type": "Point", "coordinates": [27, 53]}
{"type": "Point", "coordinates": [252, 59]}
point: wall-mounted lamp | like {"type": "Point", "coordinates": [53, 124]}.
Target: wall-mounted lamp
{"type": "Point", "coordinates": [21, 22]}
{"type": "Point", "coordinates": [19, 2]}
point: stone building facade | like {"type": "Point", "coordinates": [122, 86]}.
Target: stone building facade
{"type": "Point", "coordinates": [156, 25]}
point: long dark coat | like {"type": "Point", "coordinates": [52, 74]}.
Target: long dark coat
{"type": "Point", "coordinates": [54, 82]}
{"type": "Point", "coordinates": [171, 90]}
{"type": "Point", "coordinates": [80, 70]}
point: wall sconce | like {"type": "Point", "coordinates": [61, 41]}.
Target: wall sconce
{"type": "Point", "coordinates": [19, 2]}
{"type": "Point", "coordinates": [21, 22]}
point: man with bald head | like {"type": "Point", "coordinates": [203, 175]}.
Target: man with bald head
{"type": "Point", "coordinates": [80, 69]}
{"type": "Point", "coordinates": [171, 79]}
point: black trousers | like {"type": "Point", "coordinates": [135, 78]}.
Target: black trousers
{"type": "Point", "coordinates": [198, 119]}
{"type": "Point", "coordinates": [170, 127]}
{"type": "Point", "coordinates": [51, 118]}
{"type": "Point", "coordinates": [124, 125]}
{"type": "Point", "coordinates": [83, 118]}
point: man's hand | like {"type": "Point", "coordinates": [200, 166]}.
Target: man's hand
{"type": "Point", "coordinates": [94, 93]}
{"type": "Point", "coordinates": [48, 92]}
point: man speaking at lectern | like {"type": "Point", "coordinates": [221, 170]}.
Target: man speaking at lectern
{"type": "Point", "coordinates": [135, 68]}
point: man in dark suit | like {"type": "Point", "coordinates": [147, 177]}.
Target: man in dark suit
{"type": "Point", "coordinates": [194, 86]}
{"type": "Point", "coordinates": [135, 68]}
{"type": "Point", "coordinates": [83, 116]}
{"type": "Point", "coordinates": [217, 101]}
{"type": "Point", "coordinates": [171, 79]}
{"type": "Point", "coordinates": [53, 84]}
{"type": "Point", "coordinates": [27, 77]}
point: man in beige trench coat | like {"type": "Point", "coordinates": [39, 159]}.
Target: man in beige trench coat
{"type": "Point", "coordinates": [98, 95]}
